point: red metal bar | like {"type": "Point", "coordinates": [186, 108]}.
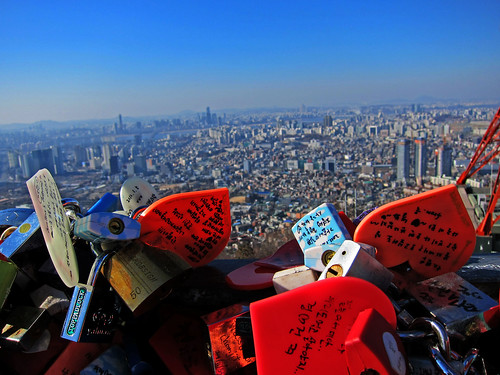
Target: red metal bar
{"type": "Point", "coordinates": [481, 157]}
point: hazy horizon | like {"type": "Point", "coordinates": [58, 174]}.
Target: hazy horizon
{"type": "Point", "coordinates": [93, 60]}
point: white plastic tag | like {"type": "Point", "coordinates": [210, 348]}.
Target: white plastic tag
{"type": "Point", "coordinates": [54, 225]}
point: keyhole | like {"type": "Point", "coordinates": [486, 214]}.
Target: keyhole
{"type": "Point", "coordinates": [334, 271]}
{"type": "Point", "coordinates": [116, 226]}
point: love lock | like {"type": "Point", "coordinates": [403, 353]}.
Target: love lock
{"type": "Point", "coordinates": [86, 321]}
{"type": "Point", "coordinates": [446, 360]}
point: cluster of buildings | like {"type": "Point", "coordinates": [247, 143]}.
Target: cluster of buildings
{"type": "Point", "coordinates": [278, 165]}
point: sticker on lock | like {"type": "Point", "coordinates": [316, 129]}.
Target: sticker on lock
{"type": "Point", "coordinates": [54, 225]}
{"type": "Point", "coordinates": [194, 225]}
{"type": "Point", "coordinates": [432, 231]}
{"type": "Point", "coordinates": [93, 312]}
{"type": "Point", "coordinates": [322, 225]}
{"type": "Point", "coordinates": [106, 226]}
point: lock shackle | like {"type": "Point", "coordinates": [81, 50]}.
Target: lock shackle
{"type": "Point", "coordinates": [99, 262]}
{"type": "Point", "coordinates": [441, 362]}
{"type": "Point", "coordinates": [439, 330]}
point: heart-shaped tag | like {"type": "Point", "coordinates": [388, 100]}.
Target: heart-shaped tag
{"type": "Point", "coordinates": [195, 225]}
{"type": "Point", "coordinates": [431, 230]}
{"type": "Point", "coordinates": [303, 331]}
{"type": "Point", "coordinates": [136, 192]}
{"type": "Point", "coordinates": [54, 224]}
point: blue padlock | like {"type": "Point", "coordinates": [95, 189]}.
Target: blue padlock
{"type": "Point", "coordinates": [18, 240]}
{"type": "Point", "coordinates": [106, 226]}
{"type": "Point", "coordinates": [107, 203]}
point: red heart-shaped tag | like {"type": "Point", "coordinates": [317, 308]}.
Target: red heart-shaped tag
{"type": "Point", "coordinates": [431, 230]}
{"type": "Point", "coordinates": [194, 225]}
{"type": "Point", "coordinates": [303, 331]}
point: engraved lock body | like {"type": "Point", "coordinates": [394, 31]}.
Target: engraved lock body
{"type": "Point", "coordinates": [455, 302]}
{"type": "Point", "coordinates": [230, 347]}
{"type": "Point", "coordinates": [141, 275]}
{"type": "Point", "coordinates": [93, 312]}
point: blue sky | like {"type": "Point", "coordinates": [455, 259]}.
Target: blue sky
{"type": "Point", "coordinates": [65, 60]}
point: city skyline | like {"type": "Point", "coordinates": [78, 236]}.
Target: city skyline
{"type": "Point", "coordinates": [94, 60]}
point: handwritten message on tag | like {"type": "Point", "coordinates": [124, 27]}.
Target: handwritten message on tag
{"type": "Point", "coordinates": [432, 231]}
{"type": "Point", "coordinates": [322, 225]}
{"type": "Point", "coordinates": [54, 225]}
{"type": "Point", "coordinates": [303, 331]}
{"type": "Point", "coordinates": [136, 192]}
{"type": "Point", "coordinates": [194, 225]}
{"type": "Point", "coordinates": [451, 298]}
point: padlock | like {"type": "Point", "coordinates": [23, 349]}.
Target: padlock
{"type": "Point", "coordinates": [303, 331]}
{"type": "Point", "coordinates": [112, 361]}
{"type": "Point", "coordinates": [8, 272]}
{"type": "Point", "coordinates": [194, 225]}
{"type": "Point", "coordinates": [13, 217]}
{"type": "Point", "coordinates": [372, 344]}
{"type": "Point", "coordinates": [227, 339]}
{"type": "Point", "coordinates": [352, 260]}
{"type": "Point", "coordinates": [25, 237]}
{"type": "Point", "coordinates": [93, 312]}
{"type": "Point", "coordinates": [431, 231]}
{"type": "Point", "coordinates": [22, 327]}
{"type": "Point", "coordinates": [106, 226]}
{"type": "Point", "coordinates": [259, 274]}
{"type": "Point", "coordinates": [142, 274]}
{"type": "Point", "coordinates": [107, 203]}
{"type": "Point", "coordinates": [456, 303]}
{"type": "Point", "coordinates": [317, 257]}
{"type": "Point", "coordinates": [136, 192]}
{"type": "Point", "coordinates": [439, 350]}
{"type": "Point", "coordinates": [322, 225]}
{"type": "Point", "coordinates": [294, 277]}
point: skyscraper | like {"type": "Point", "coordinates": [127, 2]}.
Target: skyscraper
{"type": "Point", "coordinates": [403, 157]}
{"type": "Point", "coordinates": [209, 116]}
{"type": "Point", "coordinates": [420, 159]}
{"type": "Point", "coordinates": [443, 161]}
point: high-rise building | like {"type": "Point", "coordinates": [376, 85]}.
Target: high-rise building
{"type": "Point", "coordinates": [327, 121]}
{"type": "Point", "coordinates": [209, 116]}
{"type": "Point", "coordinates": [403, 157]}
{"type": "Point", "coordinates": [330, 165]}
{"type": "Point", "coordinates": [247, 166]}
{"type": "Point", "coordinates": [444, 160]}
{"type": "Point", "coordinates": [420, 159]}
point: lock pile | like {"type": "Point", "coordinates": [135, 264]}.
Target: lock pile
{"type": "Point", "coordinates": [133, 286]}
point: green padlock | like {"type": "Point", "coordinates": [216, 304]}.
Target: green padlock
{"type": "Point", "coordinates": [8, 272]}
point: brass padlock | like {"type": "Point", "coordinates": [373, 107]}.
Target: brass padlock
{"type": "Point", "coordinates": [141, 274]}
